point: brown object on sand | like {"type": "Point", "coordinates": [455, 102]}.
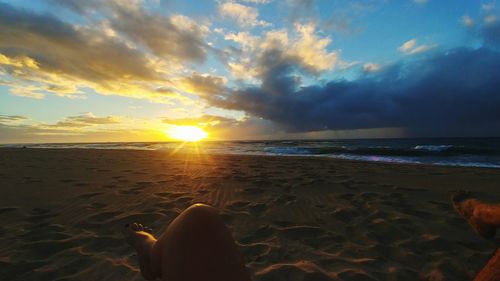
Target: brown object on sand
{"type": "Point", "coordinates": [482, 217]}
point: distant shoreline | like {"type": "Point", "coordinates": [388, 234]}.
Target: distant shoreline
{"type": "Point", "coordinates": [463, 152]}
{"type": "Point", "coordinates": [258, 156]}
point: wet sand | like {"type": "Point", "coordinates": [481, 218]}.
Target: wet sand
{"type": "Point", "coordinates": [62, 211]}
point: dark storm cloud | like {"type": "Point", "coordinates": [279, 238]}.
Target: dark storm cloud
{"type": "Point", "coordinates": [457, 91]}
{"type": "Point", "coordinates": [491, 34]}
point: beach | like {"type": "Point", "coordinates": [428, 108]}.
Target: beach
{"type": "Point", "coordinates": [296, 218]}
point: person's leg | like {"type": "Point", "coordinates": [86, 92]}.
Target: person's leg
{"type": "Point", "coordinates": [483, 217]}
{"type": "Point", "coordinates": [491, 271]}
{"type": "Point", "coordinates": [143, 242]}
{"type": "Point", "coordinates": [196, 246]}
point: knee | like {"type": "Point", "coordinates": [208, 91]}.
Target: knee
{"type": "Point", "coordinates": [201, 212]}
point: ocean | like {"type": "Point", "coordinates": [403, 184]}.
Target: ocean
{"type": "Point", "coordinates": [467, 152]}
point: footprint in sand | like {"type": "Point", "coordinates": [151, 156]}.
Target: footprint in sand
{"type": "Point", "coordinates": [418, 213]}
{"type": "Point", "coordinates": [102, 216]}
{"type": "Point", "coordinates": [7, 209]}
{"type": "Point", "coordinates": [101, 244]}
{"type": "Point", "coordinates": [67, 180]}
{"type": "Point", "coordinates": [146, 218]}
{"type": "Point", "coordinates": [303, 270]}
{"type": "Point", "coordinates": [255, 250]}
{"type": "Point", "coordinates": [142, 183]}
{"type": "Point", "coordinates": [90, 195]}
{"type": "Point", "coordinates": [128, 192]}
{"type": "Point", "coordinates": [300, 232]}
{"type": "Point", "coordinates": [410, 188]}
{"type": "Point", "coordinates": [345, 214]}
{"type": "Point", "coordinates": [286, 199]}
{"type": "Point", "coordinates": [257, 209]}
{"type": "Point", "coordinates": [253, 190]}
{"type": "Point", "coordinates": [369, 195]}
{"type": "Point", "coordinates": [441, 205]}
{"type": "Point", "coordinates": [184, 199]}
{"type": "Point", "coordinates": [238, 205]}
{"type": "Point", "coordinates": [162, 195]}
{"type": "Point", "coordinates": [175, 195]}
{"type": "Point", "coordinates": [39, 215]}
{"type": "Point", "coordinates": [45, 232]}
{"type": "Point", "coordinates": [134, 190]}
{"type": "Point", "coordinates": [356, 274]}
{"type": "Point", "coordinates": [264, 233]}
{"type": "Point", "coordinates": [44, 249]}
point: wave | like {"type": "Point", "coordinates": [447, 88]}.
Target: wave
{"type": "Point", "coordinates": [433, 147]}
{"type": "Point", "coordinates": [419, 150]}
{"type": "Point", "coordinates": [287, 150]}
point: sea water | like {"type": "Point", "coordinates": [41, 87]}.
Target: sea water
{"type": "Point", "coordinates": [473, 152]}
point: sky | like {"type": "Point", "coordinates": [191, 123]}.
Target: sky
{"type": "Point", "coordinates": [130, 70]}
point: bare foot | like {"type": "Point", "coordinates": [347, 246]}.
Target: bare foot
{"type": "Point", "coordinates": [467, 207]}
{"type": "Point", "coordinates": [141, 239]}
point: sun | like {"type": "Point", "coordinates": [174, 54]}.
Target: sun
{"type": "Point", "coordinates": [187, 133]}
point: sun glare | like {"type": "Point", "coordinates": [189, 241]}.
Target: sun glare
{"type": "Point", "coordinates": [187, 133]}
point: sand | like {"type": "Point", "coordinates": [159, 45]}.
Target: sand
{"type": "Point", "coordinates": [62, 211]}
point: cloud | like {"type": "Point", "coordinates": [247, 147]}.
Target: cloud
{"type": "Point", "coordinates": [371, 67]}
{"type": "Point", "coordinates": [244, 128]}
{"type": "Point", "coordinates": [407, 46]}
{"type": "Point", "coordinates": [176, 37]}
{"type": "Point", "coordinates": [41, 54]}
{"type": "Point", "coordinates": [446, 94]}
{"type": "Point", "coordinates": [421, 2]}
{"type": "Point", "coordinates": [209, 121]}
{"type": "Point", "coordinates": [340, 24]}
{"type": "Point", "coordinates": [30, 133]}
{"type": "Point", "coordinates": [203, 84]}
{"type": "Point", "coordinates": [55, 46]}
{"type": "Point", "coordinates": [258, 1]}
{"type": "Point", "coordinates": [245, 16]}
{"type": "Point", "coordinates": [467, 21]}
{"type": "Point", "coordinates": [304, 49]}
{"type": "Point", "coordinates": [5, 119]}
{"type": "Point", "coordinates": [77, 128]}
{"type": "Point", "coordinates": [490, 19]}
{"type": "Point", "coordinates": [488, 6]}
{"type": "Point", "coordinates": [82, 121]}
{"type": "Point", "coordinates": [490, 34]}
{"type": "Point", "coordinates": [410, 47]}
{"type": "Point", "coordinates": [300, 9]}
